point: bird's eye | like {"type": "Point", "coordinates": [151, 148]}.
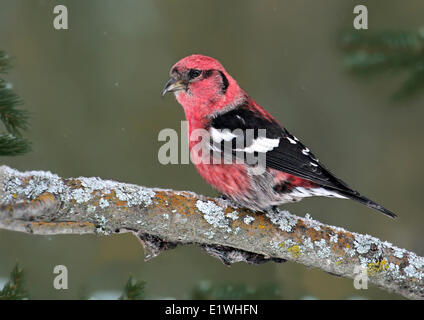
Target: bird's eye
{"type": "Point", "coordinates": [194, 73]}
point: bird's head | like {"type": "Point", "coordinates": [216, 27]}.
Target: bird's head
{"type": "Point", "coordinates": [202, 85]}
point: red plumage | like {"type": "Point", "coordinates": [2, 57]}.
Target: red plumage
{"type": "Point", "coordinates": [213, 101]}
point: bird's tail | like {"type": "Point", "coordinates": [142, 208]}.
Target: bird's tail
{"type": "Point", "coordinates": [369, 203]}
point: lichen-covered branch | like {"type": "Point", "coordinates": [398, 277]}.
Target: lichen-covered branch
{"type": "Point", "coordinates": [42, 203]}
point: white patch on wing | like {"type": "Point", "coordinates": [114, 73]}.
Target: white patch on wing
{"type": "Point", "coordinates": [291, 140]}
{"type": "Point", "coordinates": [302, 192]}
{"type": "Point", "coordinates": [241, 119]}
{"type": "Point", "coordinates": [306, 151]}
{"type": "Point", "coordinates": [219, 135]}
{"type": "Point", "coordinates": [261, 144]}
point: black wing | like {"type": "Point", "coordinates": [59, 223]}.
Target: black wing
{"type": "Point", "coordinates": [290, 155]}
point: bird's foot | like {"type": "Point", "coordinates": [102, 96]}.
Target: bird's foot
{"type": "Point", "coordinates": [228, 201]}
{"type": "Point", "coordinates": [223, 197]}
{"type": "Point", "coordinates": [274, 209]}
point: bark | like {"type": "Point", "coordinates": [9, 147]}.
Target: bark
{"type": "Point", "coordinates": [40, 202]}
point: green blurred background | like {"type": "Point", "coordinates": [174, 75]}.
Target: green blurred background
{"type": "Point", "coordinates": [94, 96]}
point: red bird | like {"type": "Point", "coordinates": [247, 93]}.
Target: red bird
{"type": "Point", "coordinates": [214, 103]}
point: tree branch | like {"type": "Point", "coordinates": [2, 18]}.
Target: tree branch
{"type": "Point", "coordinates": [42, 203]}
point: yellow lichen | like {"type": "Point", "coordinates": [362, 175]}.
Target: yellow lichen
{"type": "Point", "coordinates": [295, 251]}
{"type": "Point", "coordinates": [376, 267]}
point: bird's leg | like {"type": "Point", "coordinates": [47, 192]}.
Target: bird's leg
{"type": "Point", "coordinates": [274, 209]}
{"type": "Point", "coordinates": [223, 197]}
{"type": "Point", "coordinates": [229, 201]}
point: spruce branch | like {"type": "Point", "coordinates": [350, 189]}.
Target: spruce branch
{"type": "Point", "coordinates": [11, 145]}
{"type": "Point", "coordinates": [368, 53]}
{"type": "Point", "coordinates": [133, 290]}
{"type": "Point", "coordinates": [4, 62]}
{"type": "Point", "coordinates": [14, 120]}
{"type": "Point", "coordinates": [14, 288]}
{"type": "Point", "coordinates": [205, 290]}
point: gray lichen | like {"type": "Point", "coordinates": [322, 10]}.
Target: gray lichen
{"type": "Point", "coordinates": [349, 252]}
{"type": "Point", "coordinates": [324, 250]}
{"type": "Point", "coordinates": [233, 215]}
{"type": "Point", "coordinates": [311, 223]}
{"type": "Point", "coordinates": [213, 214]}
{"type": "Point", "coordinates": [307, 242]}
{"type": "Point", "coordinates": [210, 234]}
{"type": "Point", "coordinates": [397, 252]}
{"type": "Point", "coordinates": [415, 264]}
{"type": "Point", "coordinates": [41, 182]}
{"type": "Point", "coordinates": [248, 219]}
{"type": "Point", "coordinates": [101, 223]}
{"type": "Point", "coordinates": [334, 238]}
{"type": "Point", "coordinates": [363, 243]}
{"type": "Point", "coordinates": [103, 203]}
{"type": "Point", "coordinates": [81, 195]}
{"type": "Point", "coordinates": [134, 195]}
{"type": "Point", "coordinates": [283, 219]}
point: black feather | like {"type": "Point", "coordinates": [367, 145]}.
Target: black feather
{"type": "Point", "coordinates": [225, 82]}
{"type": "Point", "coordinates": [287, 156]}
